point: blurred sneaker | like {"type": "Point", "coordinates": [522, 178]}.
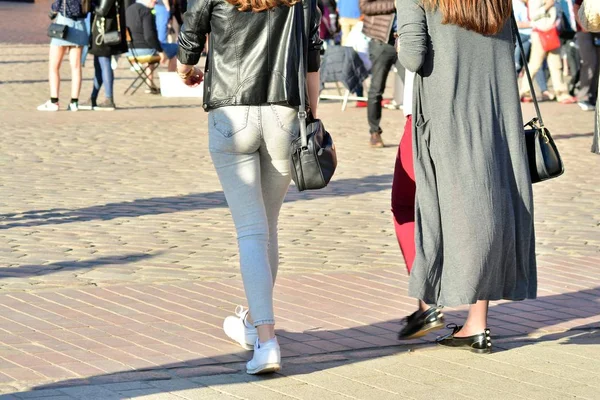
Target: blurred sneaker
{"type": "Point", "coordinates": [153, 90]}
{"type": "Point", "coordinates": [73, 107]}
{"type": "Point", "coordinates": [88, 105]}
{"type": "Point", "coordinates": [106, 105]}
{"type": "Point", "coordinates": [49, 106]}
{"type": "Point", "coordinates": [567, 100]}
{"type": "Point", "coordinates": [114, 63]}
{"type": "Point", "coordinates": [238, 330]}
{"type": "Point", "coordinates": [385, 102]}
{"type": "Point", "coordinates": [376, 141]}
{"type": "Point", "coordinates": [266, 359]}
{"type": "Point", "coordinates": [361, 104]}
{"type": "Point", "coordinates": [393, 106]}
{"type": "Point", "coordinates": [586, 106]}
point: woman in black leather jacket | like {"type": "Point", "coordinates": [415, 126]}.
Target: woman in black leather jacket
{"type": "Point", "coordinates": [106, 24]}
{"type": "Point", "coordinates": [252, 96]}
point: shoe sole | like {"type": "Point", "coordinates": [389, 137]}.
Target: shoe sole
{"type": "Point", "coordinates": [472, 350]}
{"type": "Point", "coordinates": [104, 109]}
{"type": "Point", "coordinates": [86, 108]}
{"type": "Point", "coordinates": [264, 369]}
{"type": "Point", "coordinates": [246, 346]}
{"type": "Point", "coordinates": [435, 326]}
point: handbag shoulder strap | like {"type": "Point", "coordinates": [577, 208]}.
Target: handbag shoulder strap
{"type": "Point", "coordinates": [299, 9]}
{"type": "Point", "coordinates": [525, 63]}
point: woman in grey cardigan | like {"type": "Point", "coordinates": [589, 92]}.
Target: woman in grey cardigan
{"type": "Point", "coordinates": [474, 210]}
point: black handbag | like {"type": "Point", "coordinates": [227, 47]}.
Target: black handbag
{"type": "Point", "coordinates": [313, 158]}
{"type": "Point", "coordinates": [111, 38]}
{"type": "Point", "coordinates": [543, 156]}
{"type": "Point", "coordinates": [59, 31]}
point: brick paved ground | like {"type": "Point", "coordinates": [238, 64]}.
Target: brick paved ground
{"type": "Point", "coordinates": [119, 263]}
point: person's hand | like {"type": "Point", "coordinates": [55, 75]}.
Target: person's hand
{"type": "Point", "coordinates": [163, 58]}
{"type": "Point", "coordinates": [191, 76]}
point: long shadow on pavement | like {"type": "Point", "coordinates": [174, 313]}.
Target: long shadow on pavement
{"type": "Point", "coordinates": [190, 202]}
{"type": "Point", "coordinates": [572, 135]}
{"type": "Point", "coordinates": [233, 373]}
{"type": "Point", "coordinates": [40, 270]}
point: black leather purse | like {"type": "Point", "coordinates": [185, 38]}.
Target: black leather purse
{"type": "Point", "coordinates": [313, 157]}
{"type": "Point", "coordinates": [543, 156]}
{"type": "Point", "coordinates": [59, 31]}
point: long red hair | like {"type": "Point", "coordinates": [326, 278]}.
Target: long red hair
{"type": "Point", "coordinates": [482, 16]}
{"type": "Point", "coordinates": [261, 5]}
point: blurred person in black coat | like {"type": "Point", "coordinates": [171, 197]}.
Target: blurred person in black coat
{"type": "Point", "coordinates": [108, 23]}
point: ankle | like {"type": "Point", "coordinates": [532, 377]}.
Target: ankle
{"type": "Point", "coordinates": [471, 329]}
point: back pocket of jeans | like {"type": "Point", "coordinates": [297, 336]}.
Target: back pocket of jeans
{"type": "Point", "coordinates": [287, 119]}
{"type": "Point", "coordinates": [229, 120]}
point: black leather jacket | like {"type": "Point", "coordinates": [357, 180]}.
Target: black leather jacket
{"type": "Point", "coordinates": [253, 57]}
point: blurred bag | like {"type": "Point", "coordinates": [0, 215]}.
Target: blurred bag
{"type": "Point", "coordinates": [313, 157]}
{"type": "Point", "coordinates": [589, 15]}
{"type": "Point", "coordinates": [550, 39]}
{"type": "Point", "coordinates": [542, 154]}
{"type": "Point", "coordinates": [111, 38]}
{"type": "Point", "coordinates": [59, 31]}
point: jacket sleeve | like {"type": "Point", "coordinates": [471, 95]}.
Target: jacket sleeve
{"type": "Point", "coordinates": [192, 37]}
{"type": "Point", "coordinates": [150, 32]}
{"type": "Point", "coordinates": [104, 7]}
{"type": "Point", "coordinates": [377, 7]}
{"type": "Point", "coordinates": [412, 34]}
{"type": "Point", "coordinates": [313, 14]}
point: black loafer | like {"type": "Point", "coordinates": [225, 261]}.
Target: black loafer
{"type": "Point", "coordinates": [480, 343]}
{"type": "Point", "coordinates": [420, 323]}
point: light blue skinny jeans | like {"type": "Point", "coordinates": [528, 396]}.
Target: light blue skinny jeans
{"type": "Point", "coordinates": [250, 149]}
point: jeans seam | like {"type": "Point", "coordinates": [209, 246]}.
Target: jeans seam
{"type": "Point", "coordinates": [264, 322]}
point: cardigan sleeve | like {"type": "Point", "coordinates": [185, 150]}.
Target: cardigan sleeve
{"type": "Point", "coordinates": [412, 34]}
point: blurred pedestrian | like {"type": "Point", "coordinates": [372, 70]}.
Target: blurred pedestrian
{"type": "Point", "coordinates": [70, 13]}
{"type": "Point", "coordinates": [380, 26]}
{"type": "Point", "coordinates": [108, 39]}
{"type": "Point", "coordinates": [252, 95]}
{"type": "Point", "coordinates": [349, 12]}
{"type": "Point", "coordinates": [544, 19]}
{"type": "Point", "coordinates": [525, 30]}
{"type": "Point", "coordinates": [474, 235]}
{"type": "Point", "coordinates": [144, 36]}
{"type": "Point", "coordinates": [588, 15]}
{"type": "Point", "coordinates": [589, 49]}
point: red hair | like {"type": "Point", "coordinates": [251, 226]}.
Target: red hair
{"type": "Point", "coordinates": [482, 16]}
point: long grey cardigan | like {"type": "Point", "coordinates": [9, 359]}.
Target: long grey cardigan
{"type": "Point", "coordinates": [474, 210]}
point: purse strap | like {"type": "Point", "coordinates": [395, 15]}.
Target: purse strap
{"type": "Point", "coordinates": [525, 63]}
{"type": "Point", "coordinates": [302, 115]}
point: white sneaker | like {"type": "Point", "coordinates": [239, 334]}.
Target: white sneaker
{"type": "Point", "coordinates": [73, 107]}
{"type": "Point", "coordinates": [585, 106]}
{"type": "Point", "coordinates": [48, 106]}
{"type": "Point", "coordinates": [238, 330]}
{"type": "Point", "coordinates": [267, 358]}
